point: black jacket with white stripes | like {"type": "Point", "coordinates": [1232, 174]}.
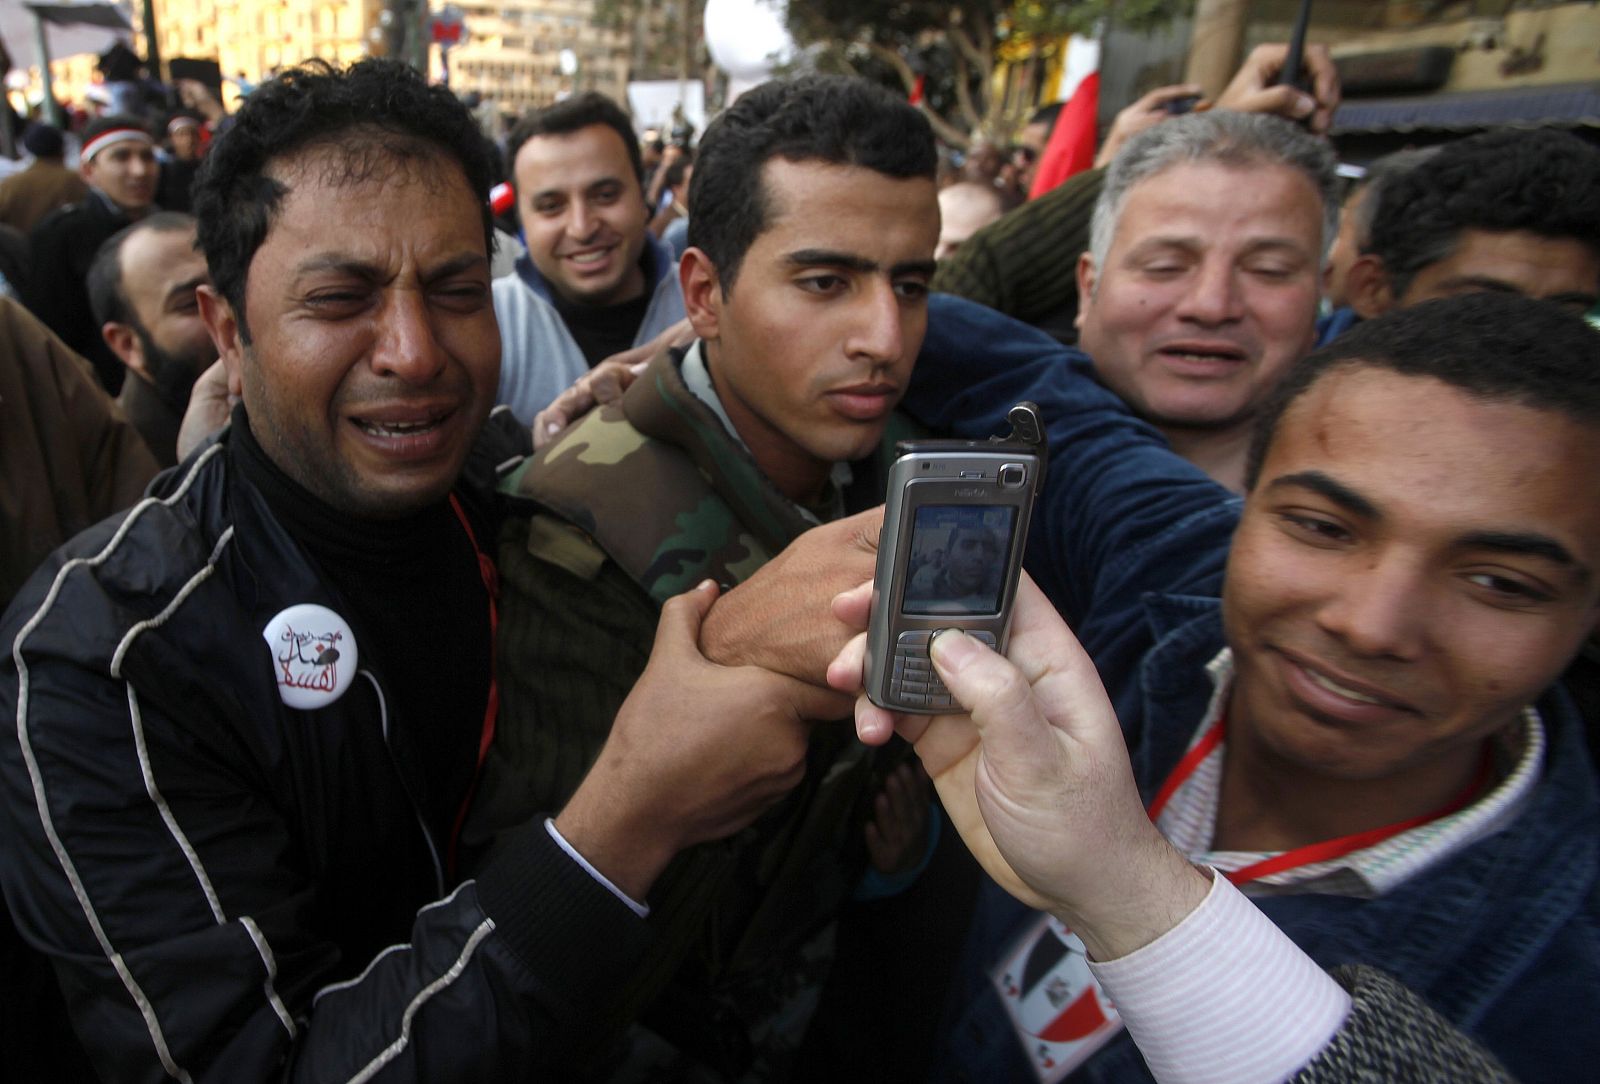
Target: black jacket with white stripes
{"type": "Point", "coordinates": [216, 875]}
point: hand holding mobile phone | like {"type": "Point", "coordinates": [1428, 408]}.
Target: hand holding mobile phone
{"type": "Point", "coordinates": [954, 532]}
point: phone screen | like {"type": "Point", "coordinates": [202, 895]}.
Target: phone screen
{"type": "Point", "coordinates": [958, 559]}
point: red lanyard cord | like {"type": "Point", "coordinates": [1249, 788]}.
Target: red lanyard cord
{"type": "Point", "coordinates": [1328, 849]}
{"type": "Point", "coordinates": [491, 585]}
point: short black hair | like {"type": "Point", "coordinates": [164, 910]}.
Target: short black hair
{"type": "Point", "coordinates": [1541, 181]}
{"type": "Point", "coordinates": [1491, 346]}
{"type": "Point", "coordinates": [107, 299]}
{"type": "Point", "coordinates": [377, 111]}
{"type": "Point", "coordinates": [1377, 183]}
{"type": "Point", "coordinates": [841, 120]}
{"type": "Point", "coordinates": [1047, 115]}
{"type": "Point", "coordinates": [44, 141]}
{"type": "Point", "coordinates": [572, 115]}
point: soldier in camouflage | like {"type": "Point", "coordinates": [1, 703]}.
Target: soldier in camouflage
{"type": "Point", "coordinates": [813, 224]}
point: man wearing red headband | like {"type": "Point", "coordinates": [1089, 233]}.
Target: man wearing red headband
{"type": "Point", "coordinates": [186, 144]}
{"type": "Point", "coordinates": [118, 161]}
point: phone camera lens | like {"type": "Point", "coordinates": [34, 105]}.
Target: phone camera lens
{"type": "Point", "coordinates": [1012, 475]}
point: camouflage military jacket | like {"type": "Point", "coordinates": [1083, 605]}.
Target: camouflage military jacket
{"type": "Point", "coordinates": [641, 500]}
{"type": "Point", "coordinates": [658, 485]}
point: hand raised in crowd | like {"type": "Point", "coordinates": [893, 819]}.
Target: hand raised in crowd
{"type": "Point", "coordinates": [671, 155]}
{"type": "Point", "coordinates": [197, 96]}
{"type": "Point", "coordinates": [604, 383]}
{"type": "Point", "coordinates": [897, 835]}
{"type": "Point", "coordinates": [1036, 777]}
{"type": "Point", "coordinates": [1147, 112]}
{"type": "Point", "coordinates": [1254, 89]}
{"type": "Point", "coordinates": [779, 618]}
{"type": "Point", "coordinates": [697, 752]}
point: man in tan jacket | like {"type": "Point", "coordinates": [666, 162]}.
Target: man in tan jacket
{"type": "Point", "coordinates": [68, 457]}
{"type": "Point", "coordinates": [28, 196]}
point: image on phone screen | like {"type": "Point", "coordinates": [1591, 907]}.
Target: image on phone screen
{"type": "Point", "coordinates": [957, 559]}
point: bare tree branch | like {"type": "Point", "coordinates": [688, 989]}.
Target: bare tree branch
{"type": "Point", "coordinates": [942, 128]}
{"type": "Point", "coordinates": [953, 44]}
{"type": "Point", "coordinates": [946, 131]}
{"type": "Point", "coordinates": [969, 111]}
{"type": "Point", "coordinates": [897, 62]}
{"type": "Point", "coordinates": [966, 47]}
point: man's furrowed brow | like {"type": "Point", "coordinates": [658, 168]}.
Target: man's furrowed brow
{"type": "Point", "coordinates": [373, 272]}
{"type": "Point", "coordinates": [924, 268]}
{"type": "Point", "coordinates": [1333, 490]}
{"type": "Point", "coordinates": [340, 264]}
{"type": "Point", "coordinates": [467, 261]}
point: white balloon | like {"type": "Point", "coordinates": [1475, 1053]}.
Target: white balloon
{"type": "Point", "coordinates": [747, 38]}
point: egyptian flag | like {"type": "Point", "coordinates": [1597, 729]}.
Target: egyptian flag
{"type": "Point", "coordinates": [1072, 140]}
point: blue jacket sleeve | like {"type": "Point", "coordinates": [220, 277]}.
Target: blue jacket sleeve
{"type": "Point", "coordinates": [1121, 514]}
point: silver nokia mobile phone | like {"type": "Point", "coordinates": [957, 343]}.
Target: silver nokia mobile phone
{"type": "Point", "coordinates": [954, 531]}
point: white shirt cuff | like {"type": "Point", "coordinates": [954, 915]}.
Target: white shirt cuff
{"type": "Point", "coordinates": [1224, 997]}
{"type": "Point", "coordinates": [640, 909]}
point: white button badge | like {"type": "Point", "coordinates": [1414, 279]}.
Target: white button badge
{"type": "Point", "coordinates": [314, 653]}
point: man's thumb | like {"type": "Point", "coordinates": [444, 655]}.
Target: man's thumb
{"type": "Point", "coordinates": [993, 691]}
{"type": "Point", "coordinates": [681, 616]}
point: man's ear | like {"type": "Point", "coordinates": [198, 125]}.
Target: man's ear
{"type": "Point", "coordinates": [1366, 287]}
{"type": "Point", "coordinates": [1085, 287]}
{"type": "Point", "coordinates": [223, 325]}
{"type": "Point", "coordinates": [702, 293]}
{"type": "Point", "coordinates": [126, 345]}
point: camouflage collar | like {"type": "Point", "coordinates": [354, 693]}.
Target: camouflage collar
{"type": "Point", "coordinates": [696, 376]}
{"type": "Point", "coordinates": [660, 486]}
{"type": "Point", "coordinates": [660, 405]}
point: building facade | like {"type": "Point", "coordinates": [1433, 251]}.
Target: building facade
{"type": "Point", "coordinates": [251, 39]}
{"type": "Point", "coordinates": [522, 54]}
{"type": "Point", "coordinates": [517, 54]}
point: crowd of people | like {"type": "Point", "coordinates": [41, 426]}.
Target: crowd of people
{"type": "Point", "coordinates": [438, 660]}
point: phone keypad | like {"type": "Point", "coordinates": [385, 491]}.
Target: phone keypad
{"type": "Point", "coordinates": [915, 683]}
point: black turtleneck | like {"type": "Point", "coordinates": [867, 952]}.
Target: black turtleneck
{"type": "Point", "coordinates": [602, 330]}
{"type": "Point", "coordinates": [413, 595]}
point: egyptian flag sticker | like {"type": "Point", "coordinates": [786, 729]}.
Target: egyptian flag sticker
{"type": "Point", "coordinates": [1060, 1014]}
{"type": "Point", "coordinates": [313, 653]}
